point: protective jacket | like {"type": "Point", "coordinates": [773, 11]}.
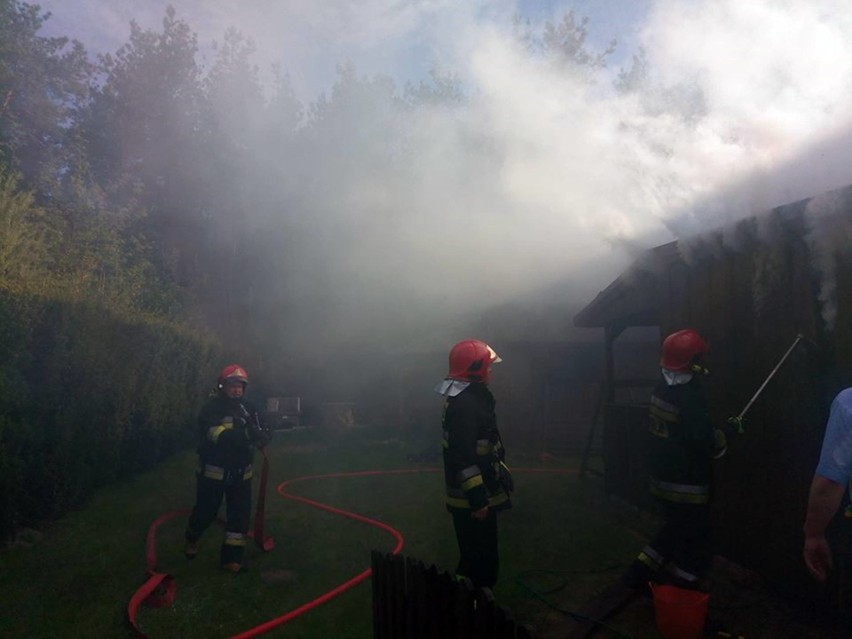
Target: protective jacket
{"type": "Point", "coordinates": [473, 452]}
{"type": "Point", "coordinates": [683, 443]}
{"type": "Point", "coordinates": [228, 431]}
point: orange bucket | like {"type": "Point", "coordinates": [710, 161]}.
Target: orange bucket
{"type": "Point", "coordinates": [680, 613]}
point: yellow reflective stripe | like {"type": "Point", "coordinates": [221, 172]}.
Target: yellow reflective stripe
{"type": "Point", "coordinates": [248, 473]}
{"type": "Point", "coordinates": [457, 502]}
{"type": "Point", "coordinates": [484, 446]}
{"type": "Point", "coordinates": [664, 405]}
{"type": "Point", "coordinates": [235, 539]}
{"type": "Point", "coordinates": [679, 497]}
{"type": "Point", "coordinates": [499, 498]}
{"type": "Point", "coordinates": [216, 431]}
{"type": "Point", "coordinates": [664, 415]}
{"type": "Point", "coordinates": [467, 473]}
{"type": "Point", "coordinates": [650, 557]}
{"type": "Point", "coordinates": [445, 443]}
{"type": "Point", "coordinates": [214, 472]}
{"type": "Point", "coordinates": [471, 483]}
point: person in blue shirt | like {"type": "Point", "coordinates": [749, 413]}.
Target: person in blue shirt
{"type": "Point", "coordinates": [830, 482]}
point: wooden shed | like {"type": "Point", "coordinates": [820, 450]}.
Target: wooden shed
{"type": "Point", "coordinates": [750, 289]}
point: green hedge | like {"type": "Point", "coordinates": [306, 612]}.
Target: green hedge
{"type": "Point", "coordinates": [88, 398]}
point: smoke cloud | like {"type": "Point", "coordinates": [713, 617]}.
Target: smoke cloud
{"type": "Point", "coordinates": [539, 176]}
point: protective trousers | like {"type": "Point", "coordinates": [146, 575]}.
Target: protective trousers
{"type": "Point", "coordinates": [477, 538]}
{"type": "Point", "coordinates": [237, 494]}
{"type": "Point", "coordinates": [684, 545]}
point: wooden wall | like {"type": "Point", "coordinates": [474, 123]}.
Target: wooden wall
{"type": "Point", "coordinates": [750, 302]}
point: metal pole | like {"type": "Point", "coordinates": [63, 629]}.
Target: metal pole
{"type": "Point", "coordinates": [799, 338]}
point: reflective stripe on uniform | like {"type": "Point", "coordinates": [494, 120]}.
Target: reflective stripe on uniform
{"type": "Point", "coordinates": [686, 576]}
{"type": "Point", "coordinates": [469, 478]}
{"type": "Point", "coordinates": [681, 493]}
{"type": "Point", "coordinates": [473, 482]}
{"type": "Point", "coordinates": [467, 473]}
{"type": "Point", "coordinates": [235, 539]}
{"type": "Point", "coordinates": [213, 472]}
{"type": "Point", "coordinates": [651, 557]}
{"type": "Point", "coordinates": [664, 408]}
{"type": "Point", "coordinates": [483, 446]}
{"type": "Point", "coordinates": [462, 502]}
{"type": "Point", "coordinates": [247, 472]}
{"type": "Point", "coordinates": [214, 432]}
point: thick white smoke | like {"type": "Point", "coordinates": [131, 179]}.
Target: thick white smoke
{"type": "Point", "coordinates": [542, 176]}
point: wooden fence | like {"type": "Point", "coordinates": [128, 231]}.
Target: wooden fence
{"type": "Point", "coordinates": [415, 601]}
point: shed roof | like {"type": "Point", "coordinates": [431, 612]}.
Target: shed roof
{"type": "Point", "coordinates": [633, 297]}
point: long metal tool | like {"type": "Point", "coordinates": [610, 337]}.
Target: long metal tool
{"type": "Point", "coordinates": [795, 343]}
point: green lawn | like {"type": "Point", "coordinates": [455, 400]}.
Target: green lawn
{"type": "Point", "coordinates": [563, 539]}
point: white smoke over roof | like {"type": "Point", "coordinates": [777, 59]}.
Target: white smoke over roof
{"type": "Point", "coordinates": [540, 174]}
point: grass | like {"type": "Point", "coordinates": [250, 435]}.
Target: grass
{"type": "Point", "coordinates": [562, 542]}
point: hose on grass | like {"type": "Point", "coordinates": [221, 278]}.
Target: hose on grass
{"type": "Point", "coordinates": [148, 594]}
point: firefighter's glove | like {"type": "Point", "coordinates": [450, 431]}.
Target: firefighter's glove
{"type": "Point", "coordinates": [262, 437]}
{"type": "Point", "coordinates": [260, 434]}
{"type": "Point", "coordinates": [506, 478]}
{"type": "Point", "coordinates": [735, 426]}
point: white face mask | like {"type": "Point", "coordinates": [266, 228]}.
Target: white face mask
{"type": "Point", "coordinates": [676, 378]}
{"type": "Point", "coordinates": [451, 387]}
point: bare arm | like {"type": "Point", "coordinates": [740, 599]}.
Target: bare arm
{"type": "Point", "coordinates": [823, 503]}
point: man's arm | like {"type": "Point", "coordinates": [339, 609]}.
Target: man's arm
{"type": "Point", "coordinates": [823, 504]}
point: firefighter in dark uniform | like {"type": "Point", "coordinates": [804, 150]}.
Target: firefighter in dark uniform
{"type": "Point", "coordinates": [229, 430]}
{"type": "Point", "coordinates": [477, 480]}
{"type": "Point", "coordinates": [683, 445]}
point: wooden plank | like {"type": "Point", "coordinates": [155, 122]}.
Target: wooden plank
{"type": "Point", "coordinates": [438, 610]}
{"type": "Point", "coordinates": [418, 596]}
{"type": "Point", "coordinates": [463, 610]}
{"type": "Point", "coordinates": [483, 613]}
{"type": "Point", "coordinates": [504, 623]}
{"type": "Point", "coordinates": [380, 629]}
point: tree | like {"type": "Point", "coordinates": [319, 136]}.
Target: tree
{"type": "Point", "coordinates": [142, 136]}
{"type": "Point", "coordinates": [42, 82]}
{"type": "Point", "coordinates": [25, 238]}
{"type": "Point", "coordinates": [564, 44]}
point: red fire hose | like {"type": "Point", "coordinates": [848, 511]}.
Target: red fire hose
{"type": "Point", "coordinates": [159, 590]}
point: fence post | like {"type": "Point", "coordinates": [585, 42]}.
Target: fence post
{"type": "Point", "coordinates": [380, 618]}
{"type": "Point", "coordinates": [413, 601]}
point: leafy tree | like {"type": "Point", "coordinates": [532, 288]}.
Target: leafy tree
{"type": "Point", "coordinates": [42, 82]}
{"type": "Point", "coordinates": [564, 44]}
{"type": "Point", "coordinates": [25, 238]}
{"type": "Point", "coordinates": [684, 99]}
{"type": "Point", "coordinates": [141, 132]}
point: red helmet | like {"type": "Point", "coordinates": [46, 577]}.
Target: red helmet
{"type": "Point", "coordinates": [471, 360]}
{"type": "Point", "coordinates": [232, 372]}
{"type": "Point", "coordinates": [680, 350]}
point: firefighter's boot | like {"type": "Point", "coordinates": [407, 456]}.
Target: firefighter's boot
{"type": "Point", "coordinates": [190, 549]}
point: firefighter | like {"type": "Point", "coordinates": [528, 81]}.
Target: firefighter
{"type": "Point", "coordinates": [477, 480]}
{"type": "Point", "coordinates": [229, 430]}
{"type": "Point", "coordinates": [683, 445]}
